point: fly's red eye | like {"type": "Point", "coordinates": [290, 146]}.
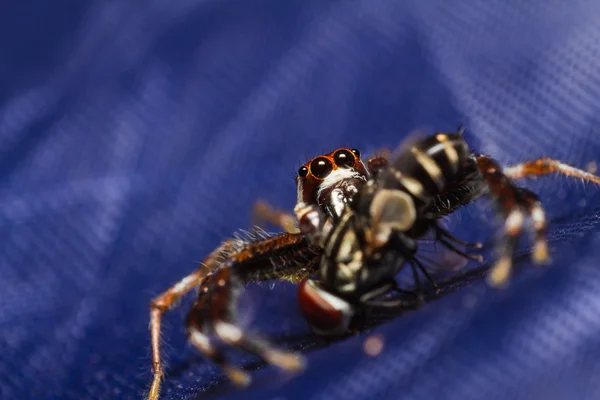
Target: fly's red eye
{"type": "Point", "coordinates": [321, 167]}
{"type": "Point", "coordinates": [326, 313]}
{"type": "Point", "coordinates": [302, 172]}
{"type": "Point", "coordinates": [343, 158]}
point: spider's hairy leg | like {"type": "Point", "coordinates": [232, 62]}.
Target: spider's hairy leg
{"type": "Point", "coordinates": [166, 301]}
{"type": "Point", "coordinates": [515, 204]}
{"type": "Point", "coordinates": [214, 312]}
{"type": "Point", "coordinates": [545, 166]}
{"type": "Point", "coordinates": [541, 167]}
{"type": "Point", "coordinates": [538, 219]}
{"type": "Point", "coordinates": [195, 327]}
{"type": "Point", "coordinates": [263, 212]}
{"type": "Point", "coordinates": [379, 161]}
{"type": "Point", "coordinates": [299, 274]}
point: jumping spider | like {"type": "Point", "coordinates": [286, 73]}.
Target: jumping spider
{"type": "Point", "coordinates": [355, 227]}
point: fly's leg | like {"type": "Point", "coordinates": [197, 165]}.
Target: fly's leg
{"type": "Point", "coordinates": [545, 166]}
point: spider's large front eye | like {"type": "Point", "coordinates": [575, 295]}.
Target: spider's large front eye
{"type": "Point", "coordinates": [343, 158]}
{"type": "Point", "coordinates": [321, 167]}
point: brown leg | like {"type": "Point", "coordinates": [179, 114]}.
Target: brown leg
{"type": "Point", "coordinates": [263, 213]}
{"type": "Point", "coordinates": [286, 256]}
{"type": "Point", "coordinates": [202, 310]}
{"type": "Point", "coordinates": [516, 204]}
{"type": "Point", "coordinates": [379, 161]}
{"type": "Point", "coordinates": [215, 309]}
{"type": "Point", "coordinates": [538, 218]}
{"type": "Point", "coordinates": [214, 312]}
{"type": "Point", "coordinates": [301, 273]}
{"type": "Point", "coordinates": [166, 301]}
{"type": "Point", "coordinates": [545, 166]}
{"type": "Point", "coordinates": [160, 305]}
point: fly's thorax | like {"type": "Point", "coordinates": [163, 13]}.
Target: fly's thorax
{"type": "Point", "coordinates": [343, 256]}
{"type": "Point", "coordinates": [426, 167]}
{"type": "Point", "coordinates": [350, 266]}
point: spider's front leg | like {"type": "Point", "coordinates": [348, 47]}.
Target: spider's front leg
{"type": "Point", "coordinates": [517, 203]}
{"type": "Point", "coordinates": [214, 312]}
{"type": "Point", "coordinates": [167, 300]}
{"type": "Point", "coordinates": [378, 162]}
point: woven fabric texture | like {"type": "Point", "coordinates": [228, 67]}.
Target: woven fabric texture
{"type": "Point", "coordinates": [135, 137]}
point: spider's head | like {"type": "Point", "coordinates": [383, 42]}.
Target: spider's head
{"type": "Point", "coordinates": [341, 171]}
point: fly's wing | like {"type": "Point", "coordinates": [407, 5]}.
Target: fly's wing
{"type": "Point", "coordinates": [439, 262]}
{"type": "Point", "coordinates": [407, 192]}
{"type": "Point", "coordinates": [405, 189]}
{"type": "Point", "coordinates": [438, 258]}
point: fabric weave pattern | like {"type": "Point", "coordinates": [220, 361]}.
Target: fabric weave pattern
{"type": "Point", "coordinates": [135, 136]}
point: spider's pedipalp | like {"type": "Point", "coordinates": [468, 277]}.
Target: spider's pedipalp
{"type": "Point", "coordinates": [264, 212]}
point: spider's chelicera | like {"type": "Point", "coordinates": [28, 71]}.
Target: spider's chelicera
{"type": "Point", "coordinates": [356, 225]}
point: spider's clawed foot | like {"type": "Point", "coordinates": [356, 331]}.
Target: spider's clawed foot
{"type": "Point", "coordinates": [518, 204]}
{"type": "Point", "coordinates": [527, 207]}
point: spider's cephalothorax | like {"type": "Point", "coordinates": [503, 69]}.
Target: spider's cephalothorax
{"type": "Point", "coordinates": [341, 170]}
{"type": "Point", "coordinates": [326, 185]}
{"type": "Point", "coordinates": [355, 226]}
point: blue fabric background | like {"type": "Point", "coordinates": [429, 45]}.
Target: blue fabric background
{"type": "Point", "coordinates": [136, 135]}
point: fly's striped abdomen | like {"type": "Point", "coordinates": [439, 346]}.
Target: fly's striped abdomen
{"type": "Point", "coordinates": [425, 167]}
{"type": "Point", "coordinates": [343, 258]}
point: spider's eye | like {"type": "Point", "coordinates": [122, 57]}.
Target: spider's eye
{"type": "Point", "coordinates": [302, 172]}
{"type": "Point", "coordinates": [320, 167]}
{"type": "Point", "coordinates": [356, 152]}
{"type": "Point", "coordinates": [343, 158]}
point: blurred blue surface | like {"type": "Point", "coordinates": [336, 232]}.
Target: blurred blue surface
{"type": "Point", "coordinates": [135, 136]}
